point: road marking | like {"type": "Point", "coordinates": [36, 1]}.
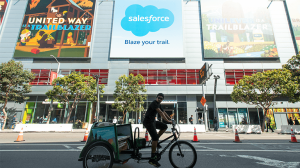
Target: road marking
{"type": "Point", "coordinates": [144, 150]}
{"type": "Point", "coordinates": [271, 162]}
{"type": "Point", "coordinates": [41, 144]}
{"type": "Point", "coordinates": [46, 150]}
{"type": "Point", "coordinates": [68, 147]}
{"type": "Point", "coordinates": [197, 143]}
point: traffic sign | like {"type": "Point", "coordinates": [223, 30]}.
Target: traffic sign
{"type": "Point", "coordinates": [203, 73]}
{"type": "Point", "coordinates": [203, 101]}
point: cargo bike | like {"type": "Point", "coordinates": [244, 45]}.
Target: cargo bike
{"type": "Point", "coordinates": [110, 144]}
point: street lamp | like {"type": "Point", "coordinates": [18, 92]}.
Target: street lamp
{"type": "Point", "coordinates": [216, 77]}
{"type": "Point", "coordinates": [51, 103]}
{"type": "Point", "coordinates": [57, 62]}
{"type": "Point", "coordinates": [98, 109]}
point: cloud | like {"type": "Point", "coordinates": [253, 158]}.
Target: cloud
{"type": "Point", "coordinates": [142, 20]}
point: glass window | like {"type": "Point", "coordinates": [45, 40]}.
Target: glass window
{"type": "Point", "coordinates": [232, 117]}
{"type": "Point", "coordinates": [222, 117]}
{"type": "Point", "coordinates": [144, 73]}
{"type": "Point", "coordinates": [171, 77]}
{"type": "Point", "coordinates": [191, 76]}
{"type": "Point", "coordinates": [162, 77]}
{"type": "Point", "coordinates": [243, 116]}
{"type": "Point", "coordinates": [253, 116]}
{"type": "Point", "coordinates": [152, 76]}
{"type": "Point", "coordinates": [181, 76]}
{"type": "Point", "coordinates": [80, 114]}
{"type": "Point", "coordinates": [182, 113]}
{"type": "Point", "coordinates": [40, 111]}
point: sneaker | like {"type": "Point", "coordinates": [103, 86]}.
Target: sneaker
{"type": "Point", "coordinates": [154, 162]}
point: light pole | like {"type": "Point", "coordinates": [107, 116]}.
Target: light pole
{"type": "Point", "coordinates": [216, 77]}
{"type": "Point", "coordinates": [58, 64]}
{"type": "Point", "coordinates": [51, 103]}
{"type": "Point", "coordinates": [98, 108]}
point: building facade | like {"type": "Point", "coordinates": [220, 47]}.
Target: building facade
{"type": "Point", "coordinates": [204, 32]}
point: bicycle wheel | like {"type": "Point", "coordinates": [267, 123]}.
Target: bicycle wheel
{"type": "Point", "coordinates": [98, 156]}
{"type": "Point", "coordinates": [187, 159]}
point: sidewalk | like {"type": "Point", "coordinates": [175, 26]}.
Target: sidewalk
{"type": "Point", "coordinates": [83, 131]}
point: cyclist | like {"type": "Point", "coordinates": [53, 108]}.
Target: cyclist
{"type": "Point", "coordinates": [151, 125]}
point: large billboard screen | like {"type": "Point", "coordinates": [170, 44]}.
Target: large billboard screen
{"type": "Point", "coordinates": [62, 28]}
{"type": "Point", "coordinates": [237, 29]}
{"type": "Point", "coordinates": [147, 29]}
{"type": "Point", "coordinates": [294, 12]}
{"type": "Point", "coordinates": [3, 4]}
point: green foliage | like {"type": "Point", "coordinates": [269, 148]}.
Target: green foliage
{"type": "Point", "coordinates": [262, 88]}
{"type": "Point", "coordinates": [293, 65]}
{"type": "Point", "coordinates": [74, 87]}
{"type": "Point", "coordinates": [14, 83]}
{"type": "Point", "coordinates": [127, 93]}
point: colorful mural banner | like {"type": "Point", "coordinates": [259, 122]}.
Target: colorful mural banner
{"type": "Point", "coordinates": [3, 5]}
{"type": "Point", "coordinates": [294, 12]}
{"type": "Point", "coordinates": [294, 114]}
{"type": "Point", "coordinates": [237, 29]}
{"type": "Point", "coordinates": [270, 114]}
{"type": "Point", "coordinates": [62, 28]}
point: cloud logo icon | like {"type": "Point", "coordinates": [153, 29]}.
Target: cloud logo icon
{"type": "Point", "coordinates": [142, 20]}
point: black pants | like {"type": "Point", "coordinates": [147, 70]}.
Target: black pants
{"type": "Point", "coordinates": [152, 126]}
{"type": "Point", "coordinates": [268, 125]}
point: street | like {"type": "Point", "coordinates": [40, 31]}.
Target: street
{"type": "Point", "coordinates": [215, 150]}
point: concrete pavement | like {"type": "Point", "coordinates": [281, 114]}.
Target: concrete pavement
{"type": "Point", "coordinates": [34, 137]}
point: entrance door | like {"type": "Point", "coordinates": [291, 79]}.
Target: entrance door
{"type": "Point", "coordinates": [232, 117]}
{"type": "Point", "coordinates": [280, 119]}
{"type": "Point", "coordinates": [169, 109]}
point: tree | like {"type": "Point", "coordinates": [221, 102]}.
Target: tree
{"type": "Point", "coordinates": [127, 94]}
{"type": "Point", "coordinates": [293, 65]}
{"type": "Point", "coordinates": [14, 84]}
{"type": "Point", "coordinates": [262, 88]}
{"type": "Point", "coordinates": [74, 87]}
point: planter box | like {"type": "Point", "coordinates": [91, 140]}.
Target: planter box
{"type": "Point", "coordinates": [286, 129]}
{"type": "Point", "coordinates": [44, 127]}
{"type": "Point", "coordinates": [247, 129]}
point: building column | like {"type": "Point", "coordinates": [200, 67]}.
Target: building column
{"type": "Point", "coordinates": [191, 103]}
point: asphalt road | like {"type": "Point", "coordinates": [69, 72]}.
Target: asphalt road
{"type": "Point", "coordinates": [211, 154]}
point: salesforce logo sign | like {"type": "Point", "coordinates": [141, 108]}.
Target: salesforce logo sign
{"type": "Point", "coordinates": [142, 20]}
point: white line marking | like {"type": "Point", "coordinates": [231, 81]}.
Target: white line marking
{"type": "Point", "coordinates": [193, 143]}
{"type": "Point", "coordinates": [68, 147]}
{"type": "Point", "coordinates": [46, 150]}
{"type": "Point", "coordinates": [40, 144]}
{"type": "Point", "coordinates": [271, 162]}
{"type": "Point", "coordinates": [74, 150]}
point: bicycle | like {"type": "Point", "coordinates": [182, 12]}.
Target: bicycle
{"type": "Point", "coordinates": [102, 154]}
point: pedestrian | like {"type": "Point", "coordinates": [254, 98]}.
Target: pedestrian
{"type": "Point", "coordinates": [45, 120]}
{"type": "Point", "coordinates": [54, 120]}
{"type": "Point", "coordinates": [268, 124]}
{"type": "Point", "coordinates": [139, 120]}
{"type": "Point", "coordinates": [290, 121]}
{"type": "Point", "coordinates": [201, 120]}
{"type": "Point", "coordinates": [215, 124]}
{"type": "Point", "coordinates": [180, 122]}
{"type": "Point", "coordinates": [296, 121]}
{"type": "Point", "coordinates": [115, 121]}
{"type": "Point", "coordinates": [94, 120]}
{"type": "Point", "coordinates": [41, 120]}
{"type": "Point", "coordinates": [79, 124]}
{"type": "Point", "coordinates": [1, 122]}
{"type": "Point", "coordinates": [13, 122]}
{"type": "Point", "coordinates": [191, 119]}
